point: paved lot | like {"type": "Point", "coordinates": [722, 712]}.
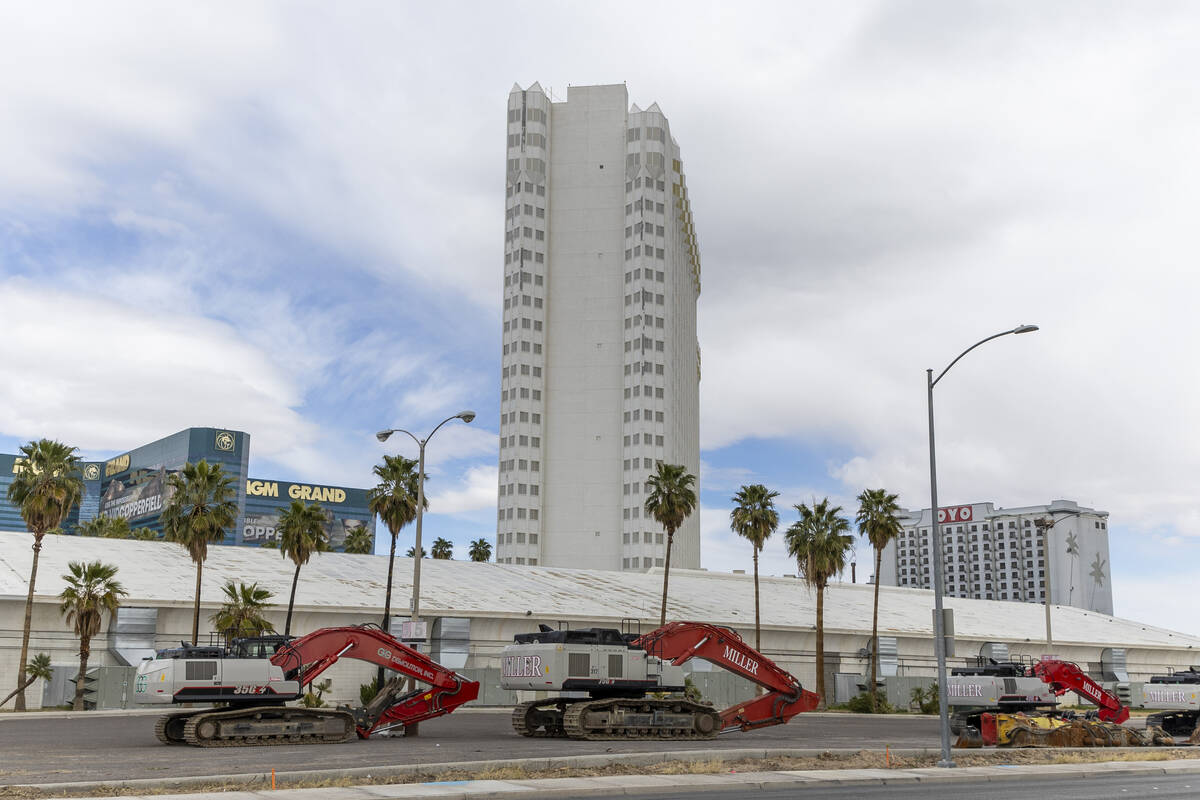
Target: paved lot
{"type": "Point", "coordinates": [40, 748]}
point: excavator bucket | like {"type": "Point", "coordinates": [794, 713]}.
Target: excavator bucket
{"type": "Point", "coordinates": [969, 737]}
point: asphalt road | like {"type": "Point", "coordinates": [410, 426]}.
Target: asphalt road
{"type": "Point", "coordinates": [37, 748]}
{"type": "Point", "coordinates": [1158, 787]}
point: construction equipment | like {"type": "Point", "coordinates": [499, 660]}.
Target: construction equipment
{"type": "Point", "coordinates": [1066, 730]}
{"type": "Point", "coordinates": [1178, 694]}
{"type": "Point", "coordinates": [995, 686]}
{"type": "Point", "coordinates": [622, 683]}
{"type": "Point", "coordinates": [1008, 727]}
{"type": "Point", "coordinates": [255, 677]}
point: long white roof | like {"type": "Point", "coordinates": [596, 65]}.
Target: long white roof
{"type": "Point", "coordinates": [162, 574]}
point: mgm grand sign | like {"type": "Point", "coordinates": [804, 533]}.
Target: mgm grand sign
{"type": "Point", "coordinates": [296, 491]}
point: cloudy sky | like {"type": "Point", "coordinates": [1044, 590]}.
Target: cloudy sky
{"type": "Point", "coordinates": [287, 219]}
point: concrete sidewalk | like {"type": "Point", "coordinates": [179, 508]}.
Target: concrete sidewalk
{"type": "Point", "coordinates": [694, 784]}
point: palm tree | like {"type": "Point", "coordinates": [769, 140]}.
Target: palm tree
{"type": "Point", "coordinates": [877, 521]}
{"type": "Point", "coordinates": [443, 549]}
{"type": "Point", "coordinates": [394, 500]}
{"type": "Point", "coordinates": [201, 507]}
{"type": "Point", "coordinates": [242, 612]}
{"type": "Point", "coordinates": [106, 527]}
{"type": "Point", "coordinates": [481, 550]}
{"type": "Point", "coordinates": [819, 543]}
{"type": "Point", "coordinates": [47, 487]}
{"type": "Point", "coordinates": [302, 532]}
{"type": "Point", "coordinates": [359, 540]}
{"type": "Point", "coordinates": [38, 667]}
{"type": "Point", "coordinates": [671, 500]}
{"type": "Point", "coordinates": [91, 590]}
{"type": "Point", "coordinates": [755, 518]}
{"type": "Point", "coordinates": [411, 552]}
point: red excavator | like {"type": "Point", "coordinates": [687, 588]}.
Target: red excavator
{"type": "Point", "coordinates": [1054, 728]}
{"type": "Point", "coordinates": [255, 677]}
{"type": "Point", "coordinates": [627, 678]}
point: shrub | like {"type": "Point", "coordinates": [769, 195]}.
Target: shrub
{"type": "Point", "coordinates": [861, 704]}
{"type": "Point", "coordinates": [367, 691]}
{"type": "Point", "coordinates": [925, 699]}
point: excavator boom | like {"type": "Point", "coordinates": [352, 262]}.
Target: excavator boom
{"type": "Point", "coordinates": [785, 698]}
{"type": "Point", "coordinates": [1063, 676]}
{"type": "Point", "coordinates": [304, 659]}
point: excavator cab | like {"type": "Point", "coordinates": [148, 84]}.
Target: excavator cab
{"type": "Point", "coordinates": [257, 646]}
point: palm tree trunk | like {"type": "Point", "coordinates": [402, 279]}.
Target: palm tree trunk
{"type": "Point", "coordinates": [287, 625]}
{"type": "Point", "coordinates": [757, 634]}
{"type": "Point", "coordinates": [85, 650]}
{"type": "Point", "coordinates": [19, 705]}
{"type": "Point", "coordinates": [821, 647]}
{"type": "Point", "coordinates": [196, 609]}
{"type": "Point", "coordinates": [387, 601]}
{"type": "Point", "coordinates": [662, 618]}
{"type": "Point", "coordinates": [875, 631]}
{"type": "Point", "coordinates": [387, 597]}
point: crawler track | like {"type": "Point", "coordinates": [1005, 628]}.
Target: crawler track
{"type": "Point", "coordinates": [262, 725]}
{"type": "Point", "coordinates": [169, 728]}
{"type": "Point", "coordinates": [646, 718]}
{"type": "Point", "coordinates": [540, 718]}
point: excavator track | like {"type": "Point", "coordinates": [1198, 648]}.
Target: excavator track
{"type": "Point", "coordinates": [540, 718]}
{"type": "Point", "coordinates": [267, 725]}
{"type": "Point", "coordinates": [646, 718]}
{"type": "Point", "coordinates": [169, 728]}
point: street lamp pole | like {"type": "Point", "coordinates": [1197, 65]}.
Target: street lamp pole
{"type": "Point", "coordinates": [1044, 524]}
{"type": "Point", "coordinates": [465, 416]}
{"type": "Point", "coordinates": [939, 633]}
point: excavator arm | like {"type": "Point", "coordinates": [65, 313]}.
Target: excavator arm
{"type": "Point", "coordinates": [679, 642]}
{"type": "Point", "coordinates": [1063, 676]}
{"type": "Point", "coordinates": [305, 658]}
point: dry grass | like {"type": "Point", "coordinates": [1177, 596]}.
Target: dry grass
{"type": "Point", "coordinates": [826, 761]}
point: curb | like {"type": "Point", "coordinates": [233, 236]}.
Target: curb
{"type": "Point", "coordinates": [694, 784]}
{"type": "Point", "coordinates": [255, 781]}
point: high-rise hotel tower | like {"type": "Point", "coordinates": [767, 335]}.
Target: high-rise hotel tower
{"type": "Point", "coordinates": [601, 367]}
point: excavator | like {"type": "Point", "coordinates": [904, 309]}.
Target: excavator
{"type": "Point", "coordinates": [1178, 696]}
{"type": "Point", "coordinates": [628, 678]}
{"type": "Point", "coordinates": [255, 677]}
{"type": "Point", "coordinates": [1061, 729]}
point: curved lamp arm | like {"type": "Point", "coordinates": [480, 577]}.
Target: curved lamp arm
{"type": "Point", "coordinates": [465, 416]}
{"type": "Point", "coordinates": [1018, 329]}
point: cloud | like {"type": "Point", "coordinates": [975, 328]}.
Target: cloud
{"type": "Point", "coordinates": [100, 375]}
{"type": "Point", "coordinates": [290, 220]}
{"type": "Point", "coordinates": [474, 492]}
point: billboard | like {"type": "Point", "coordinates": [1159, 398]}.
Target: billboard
{"type": "Point", "coordinates": [261, 529]}
{"type": "Point", "coordinates": [345, 509]}
{"type": "Point", "coordinates": [139, 498]}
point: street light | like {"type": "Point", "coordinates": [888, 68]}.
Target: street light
{"type": "Point", "coordinates": [939, 640]}
{"type": "Point", "coordinates": [465, 416]}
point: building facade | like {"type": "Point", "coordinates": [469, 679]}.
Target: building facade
{"type": "Point", "coordinates": [1003, 554]}
{"type": "Point", "coordinates": [135, 486]}
{"type": "Point", "coordinates": [601, 366]}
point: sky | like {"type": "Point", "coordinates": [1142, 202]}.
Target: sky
{"type": "Point", "coordinates": [286, 218]}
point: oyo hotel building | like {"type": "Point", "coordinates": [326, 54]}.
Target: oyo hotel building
{"type": "Point", "coordinates": [1001, 554]}
{"type": "Point", "coordinates": [134, 485]}
{"type": "Point", "coordinates": [600, 362]}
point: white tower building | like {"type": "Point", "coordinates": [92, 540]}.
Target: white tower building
{"type": "Point", "coordinates": [1001, 554]}
{"type": "Point", "coordinates": [601, 367]}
